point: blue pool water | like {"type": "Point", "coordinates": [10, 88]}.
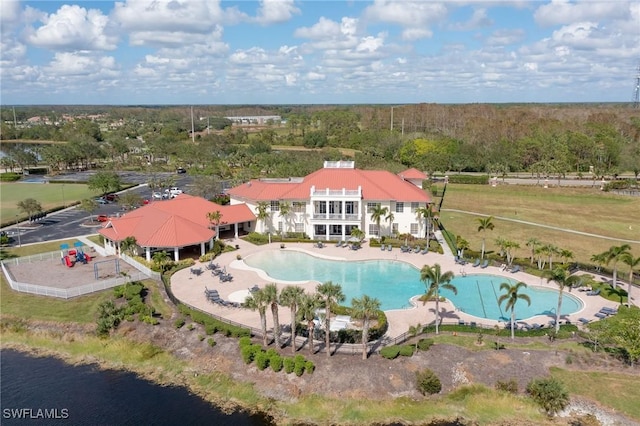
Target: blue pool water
{"type": "Point", "coordinates": [394, 283]}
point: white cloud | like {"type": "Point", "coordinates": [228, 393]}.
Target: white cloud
{"type": "Point", "coordinates": [479, 19]}
{"type": "Point", "coordinates": [560, 12]}
{"type": "Point", "coordinates": [81, 64]}
{"type": "Point", "coordinates": [505, 37]}
{"type": "Point", "coordinates": [9, 13]}
{"type": "Point", "coordinates": [276, 11]}
{"type": "Point", "coordinates": [73, 28]}
{"type": "Point", "coordinates": [416, 17]}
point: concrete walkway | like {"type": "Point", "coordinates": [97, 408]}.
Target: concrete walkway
{"type": "Point", "coordinates": [190, 288]}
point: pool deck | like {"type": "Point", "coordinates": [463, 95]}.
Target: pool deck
{"type": "Point", "coordinates": [190, 288]}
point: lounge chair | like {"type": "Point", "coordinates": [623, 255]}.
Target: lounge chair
{"type": "Point", "coordinates": [339, 243]}
{"type": "Point", "coordinates": [600, 315]}
{"type": "Point", "coordinates": [609, 311]}
{"type": "Point", "coordinates": [583, 320]}
{"type": "Point", "coordinates": [476, 263]}
{"type": "Point", "coordinates": [536, 326]}
{"type": "Point", "coordinates": [416, 249]}
{"type": "Point", "coordinates": [425, 250]}
{"type": "Point", "coordinates": [473, 324]}
{"type": "Point", "coordinates": [485, 264]}
{"type": "Point", "coordinates": [383, 247]}
{"type": "Point", "coordinates": [389, 247]}
{"type": "Point", "coordinates": [460, 322]}
{"type": "Point", "coordinates": [515, 269]}
{"type": "Point", "coordinates": [254, 289]}
{"type": "Point", "coordinates": [404, 249]}
{"type": "Point", "coordinates": [593, 293]}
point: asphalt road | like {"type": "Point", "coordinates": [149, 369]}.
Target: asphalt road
{"type": "Point", "coordinates": [69, 223]}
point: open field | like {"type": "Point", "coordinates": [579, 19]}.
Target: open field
{"type": "Point", "coordinates": [49, 195]}
{"type": "Point", "coordinates": [583, 210]}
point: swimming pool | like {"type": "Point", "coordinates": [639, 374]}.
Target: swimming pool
{"type": "Point", "coordinates": [394, 283]}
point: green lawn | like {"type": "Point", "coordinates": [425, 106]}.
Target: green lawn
{"type": "Point", "coordinates": [585, 210]}
{"type": "Point", "coordinates": [49, 195]}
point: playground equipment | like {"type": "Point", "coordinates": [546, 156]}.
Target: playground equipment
{"type": "Point", "coordinates": [96, 268]}
{"type": "Point", "coordinates": [70, 256]}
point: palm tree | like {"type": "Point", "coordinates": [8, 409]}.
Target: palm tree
{"type": "Point", "coordinates": [600, 259]}
{"type": "Point", "coordinates": [215, 218]}
{"type": "Point", "coordinates": [484, 224]}
{"type": "Point", "coordinates": [561, 277]}
{"type": "Point", "coordinates": [309, 303]}
{"type": "Point", "coordinates": [357, 233]}
{"type": "Point", "coordinates": [160, 259]}
{"type": "Point", "coordinates": [462, 245]}
{"type": "Point", "coordinates": [291, 296]}
{"type": "Point", "coordinates": [262, 213]}
{"type": "Point", "coordinates": [614, 254]}
{"type": "Point", "coordinates": [128, 245]}
{"type": "Point", "coordinates": [258, 301]}
{"type": "Point", "coordinates": [566, 255]}
{"type": "Point", "coordinates": [511, 296]}
{"type": "Point", "coordinates": [271, 294]}
{"type": "Point", "coordinates": [377, 213]}
{"type": "Point", "coordinates": [365, 308]}
{"type": "Point", "coordinates": [551, 251]}
{"type": "Point", "coordinates": [285, 211]}
{"type": "Point", "coordinates": [425, 213]}
{"type": "Point", "coordinates": [331, 294]}
{"type": "Point", "coordinates": [633, 263]}
{"type": "Point", "coordinates": [389, 218]}
{"type": "Point", "coordinates": [434, 279]}
{"type": "Point", "coordinates": [508, 247]}
{"type": "Point", "coordinates": [415, 330]}
{"type": "Point", "coordinates": [533, 243]}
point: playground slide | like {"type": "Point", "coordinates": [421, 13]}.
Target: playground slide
{"type": "Point", "coordinates": [68, 262]}
{"type": "Point", "coordinates": [87, 257]}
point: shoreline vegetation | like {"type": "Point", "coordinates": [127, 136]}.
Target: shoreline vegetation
{"type": "Point", "coordinates": [75, 344]}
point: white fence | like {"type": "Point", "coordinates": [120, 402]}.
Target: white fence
{"type": "Point", "coordinates": [140, 267]}
{"type": "Point", "coordinates": [67, 293]}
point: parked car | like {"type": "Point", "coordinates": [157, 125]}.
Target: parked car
{"type": "Point", "coordinates": [181, 170]}
{"type": "Point", "coordinates": [157, 196]}
{"type": "Point", "coordinates": [100, 200]}
{"type": "Point", "coordinates": [102, 218]}
{"type": "Point", "coordinates": [111, 197]}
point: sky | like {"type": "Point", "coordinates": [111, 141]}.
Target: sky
{"type": "Point", "coordinates": [195, 52]}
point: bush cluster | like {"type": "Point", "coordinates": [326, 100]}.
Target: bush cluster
{"type": "Point", "coordinates": [550, 394]}
{"type": "Point", "coordinates": [425, 344]}
{"type": "Point", "coordinates": [251, 352]}
{"type": "Point", "coordinates": [212, 325]}
{"type": "Point", "coordinates": [393, 351]}
{"type": "Point", "coordinates": [179, 323]}
{"type": "Point", "coordinates": [10, 177]}
{"type": "Point", "coordinates": [257, 238]}
{"type": "Point", "coordinates": [469, 179]}
{"type": "Point", "coordinates": [427, 382]}
{"type": "Point", "coordinates": [510, 386]}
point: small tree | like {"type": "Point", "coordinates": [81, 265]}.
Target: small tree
{"type": "Point", "coordinates": [29, 206]}
{"type": "Point", "coordinates": [550, 394]}
{"type": "Point", "coordinates": [427, 382]}
{"type": "Point", "coordinates": [88, 205]}
{"type": "Point", "coordinates": [105, 182]}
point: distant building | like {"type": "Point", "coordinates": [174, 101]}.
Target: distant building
{"type": "Point", "coordinates": [261, 120]}
{"type": "Point", "coordinates": [329, 203]}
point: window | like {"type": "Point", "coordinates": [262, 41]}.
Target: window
{"type": "Point", "coordinates": [372, 206]}
{"type": "Point", "coordinates": [321, 207]}
{"type": "Point", "coordinates": [335, 207]}
{"type": "Point", "coordinates": [299, 227]}
{"type": "Point", "coordinates": [399, 207]}
{"type": "Point", "coordinates": [275, 206]}
{"type": "Point", "coordinates": [279, 226]}
{"type": "Point", "coordinates": [394, 228]}
{"type": "Point", "coordinates": [414, 228]}
{"type": "Point", "coordinates": [349, 207]}
{"type": "Point", "coordinates": [414, 207]}
{"type": "Point", "coordinates": [298, 207]}
{"type": "Point", "coordinates": [373, 229]}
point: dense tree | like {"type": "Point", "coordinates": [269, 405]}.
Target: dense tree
{"type": "Point", "coordinates": [29, 206]}
{"type": "Point", "coordinates": [105, 182]}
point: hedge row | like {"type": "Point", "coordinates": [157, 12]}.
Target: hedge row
{"type": "Point", "coordinates": [212, 325]}
{"type": "Point", "coordinates": [271, 358]}
{"type": "Point", "coordinates": [469, 179]}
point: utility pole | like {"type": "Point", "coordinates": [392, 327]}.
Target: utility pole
{"type": "Point", "coordinates": [392, 119]}
{"type": "Point", "coordinates": [636, 92]}
{"type": "Point", "coordinates": [193, 128]}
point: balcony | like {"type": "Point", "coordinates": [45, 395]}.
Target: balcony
{"type": "Point", "coordinates": [336, 217]}
{"type": "Point", "coordinates": [336, 193]}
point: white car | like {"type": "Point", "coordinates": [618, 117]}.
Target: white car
{"type": "Point", "coordinates": [173, 192]}
{"type": "Point", "coordinates": [157, 196]}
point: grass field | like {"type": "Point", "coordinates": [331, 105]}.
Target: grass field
{"type": "Point", "coordinates": [584, 210]}
{"type": "Point", "coordinates": [49, 195]}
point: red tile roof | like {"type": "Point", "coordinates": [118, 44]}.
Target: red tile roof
{"type": "Point", "coordinates": [377, 185]}
{"type": "Point", "coordinates": [412, 174]}
{"type": "Point", "coordinates": [179, 222]}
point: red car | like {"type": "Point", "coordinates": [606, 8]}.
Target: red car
{"type": "Point", "coordinates": [111, 197]}
{"type": "Point", "coordinates": [102, 218]}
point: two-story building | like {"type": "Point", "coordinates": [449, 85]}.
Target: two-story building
{"type": "Point", "coordinates": [329, 203]}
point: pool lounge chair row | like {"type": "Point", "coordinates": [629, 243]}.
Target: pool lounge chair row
{"type": "Point", "coordinates": [416, 249]}
{"type": "Point", "coordinates": [214, 297]}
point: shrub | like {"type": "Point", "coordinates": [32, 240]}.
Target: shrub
{"type": "Point", "coordinates": [427, 382]}
{"type": "Point", "coordinates": [289, 365]}
{"type": "Point", "coordinates": [257, 239]}
{"type": "Point", "coordinates": [200, 337]}
{"type": "Point", "coordinates": [244, 341]}
{"type": "Point", "coordinates": [425, 344]}
{"type": "Point", "coordinates": [190, 327]}
{"type": "Point", "coordinates": [211, 342]}
{"type": "Point", "coordinates": [406, 350]}
{"type": "Point", "coordinates": [262, 360]}
{"type": "Point", "coordinates": [248, 353]}
{"type": "Point", "coordinates": [210, 328]}
{"type": "Point", "coordinates": [390, 352]}
{"type": "Point", "coordinates": [309, 367]}
{"type": "Point", "coordinates": [509, 386]}
{"type": "Point", "coordinates": [179, 323]}
{"type": "Point", "coordinates": [276, 363]}
{"type": "Point", "coordinates": [550, 394]}
{"type": "Point", "coordinates": [298, 368]}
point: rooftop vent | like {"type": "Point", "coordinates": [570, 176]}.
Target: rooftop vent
{"type": "Point", "coordinates": [339, 164]}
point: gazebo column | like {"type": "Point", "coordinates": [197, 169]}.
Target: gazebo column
{"type": "Point", "coordinates": [176, 254]}
{"type": "Point", "coordinates": [211, 243]}
{"type": "Point", "coordinates": [147, 251]}
{"type": "Point", "coordinates": [202, 249]}
{"type": "Point", "coordinates": [235, 230]}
